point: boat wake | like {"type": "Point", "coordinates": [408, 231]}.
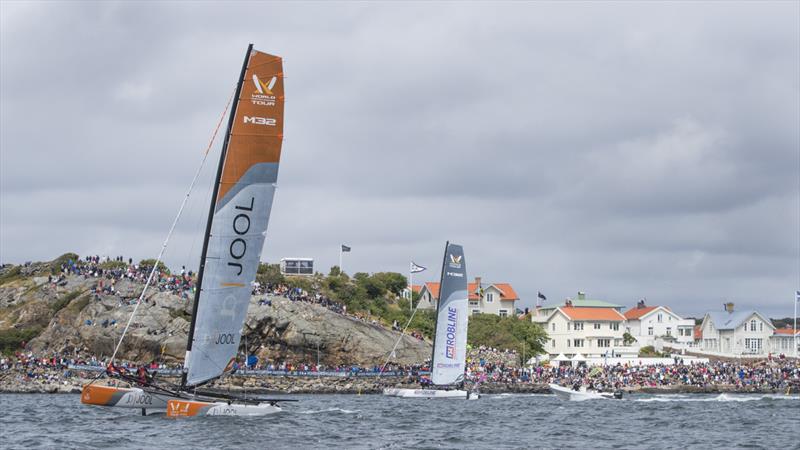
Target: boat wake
{"type": "Point", "coordinates": [339, 410]}
{"type": "Point", "coordinates": [719, 398]}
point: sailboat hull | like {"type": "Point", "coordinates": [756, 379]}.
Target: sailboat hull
{"type": "Point", "coordinates": [99, 395]}
{"type": "Point", "coordinates": [189, 408]}
{"type": "Point", "coordinates": [428, 393]}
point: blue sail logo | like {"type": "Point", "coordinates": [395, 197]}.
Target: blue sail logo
{"type": "Point", "coordinates": [450, 344]}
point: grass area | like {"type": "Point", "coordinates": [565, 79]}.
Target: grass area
{"type": "Point", "coordinates": [14, 273]}
{"type": "Point", "coordinates": [61, 303]}
{"type": "Point", "coordinates": [12, 339]}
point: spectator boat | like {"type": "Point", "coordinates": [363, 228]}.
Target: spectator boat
{"type": "Point", "coordinates": [450, 341]}
{"type": "Point", "coordinates": [234, 238]}
{"type": "Point", "coordinates": [581, 394]}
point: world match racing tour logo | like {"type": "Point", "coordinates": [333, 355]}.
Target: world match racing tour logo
{"type": "Point", "coordinates": [263, 95]}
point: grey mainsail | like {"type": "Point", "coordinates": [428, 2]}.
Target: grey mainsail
{"type": "Point", "coordinates": [450, 342]}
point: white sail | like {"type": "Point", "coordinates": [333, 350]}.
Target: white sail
{"type": "Point", "coordinates": [238, 220]}
{"type": "Point", "coordinates": [450, 342]}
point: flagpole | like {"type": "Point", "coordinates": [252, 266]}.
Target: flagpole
{"type": "Point", "coordinates": [794, 330]}
{"type": "Point", "coordinates": [411, 289]}
{"type": "Point", "coordinates": [341, 270]}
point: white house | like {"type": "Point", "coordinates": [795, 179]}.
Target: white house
{"type": "Point", "coordinates": [484, 298]}
{"type": "Point", "coordinates": [649, 324]}
{"type": "Point", "coordinates": [589, 331]}
{"type": "Point", "coordinates": [736, 333]}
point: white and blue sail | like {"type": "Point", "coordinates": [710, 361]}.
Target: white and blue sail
{"type": "Point", "coordinates": [450, 342]}
{"type": "Point", "coordinates": [238, 218]}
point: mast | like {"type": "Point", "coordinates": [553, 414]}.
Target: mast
{"type": "Point", "coordinates": [211, 209]}
{"type": "Point", "coordinates": [438, 303]}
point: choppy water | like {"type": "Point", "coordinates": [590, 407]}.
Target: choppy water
{"type": "Point", "coordinates": [373, 421]}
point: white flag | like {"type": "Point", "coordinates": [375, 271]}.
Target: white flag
{"type": "Point", "coordinates": [416, 268]}
{"type": "Point", "coordinates": [797, 296]}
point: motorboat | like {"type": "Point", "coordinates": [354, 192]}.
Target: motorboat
{"type": "Point", "coordinates": [581, 394]}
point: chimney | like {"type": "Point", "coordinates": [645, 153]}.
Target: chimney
{"type": "Point", "coordinates": [728, 307]}
{"type": "Point", "coordinates": [477, 283]}
{"type": "Point", "coordinates": [581, 295]}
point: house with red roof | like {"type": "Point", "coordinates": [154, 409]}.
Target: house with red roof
{"type": "Point", "coordinates": [586, 331]}
{"type": "Point", "coordinates": [650, 323]}
{"type": "Point", "coordinates": [484, 298]}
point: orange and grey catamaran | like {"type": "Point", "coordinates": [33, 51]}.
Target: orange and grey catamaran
{"type": "Point", "coordinates": [234, 238]}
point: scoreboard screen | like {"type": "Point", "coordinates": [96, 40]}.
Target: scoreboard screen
{"type": "Point", "coordinates": [297, 266]}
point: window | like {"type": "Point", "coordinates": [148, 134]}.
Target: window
{"type": "Point", "coordinates": [475, 312]}
{"type": "Point", "coordinates": [553, 326]}
{"type": "Point", "coordinates": [597, 326]}
{"type": "Point", "coordinates": [553, 342]}
{"type": "Point", "coordinates": [753, 325]}
{"type": "Point", "coordinates": [615, 326]}
{"type": "Point", "coordinates": [649, 331]}
{"type": "Point", "coordinates": [504, 313]}
{"type": "Point", "coordinates": [568, 342]}
{"type": "Point", "coordinates": [578, 342]}
{"type": "Point", "coordinates": [490, 297]}
{"type": "Point", "coordinates": [604, 343]}
{"type": "Point", "coordinates": [473, 303]}
{"type": "Point", "coordinates": [660, 317]}
{"type": "Point", "coordinates": [760, 326]}
{"type": "Point", "coordinates": [669, 331]}
{"type": "Point", "coordinates": [753, 345]}
{"type": "Point", "coordinates": [578, 326]}
{"type": "Point", "coordinates": [568, 325]}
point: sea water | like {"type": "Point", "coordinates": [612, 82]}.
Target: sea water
{"type": "Point", "coordinates": [374, 421]}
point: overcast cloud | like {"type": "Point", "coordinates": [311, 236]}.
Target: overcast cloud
{"type": "Point", "coordinates": [628, 150]}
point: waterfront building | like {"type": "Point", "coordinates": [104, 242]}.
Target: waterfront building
{"type": "Point", "coordinates": [736, 333]}
{"type": "Point", "coordinates": [659, 326]}
{"type": "Point", "coordinates": [584, 331]}
{"type": "Point", "coordinates": [484, 298]}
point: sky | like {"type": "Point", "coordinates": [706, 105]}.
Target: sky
{"type": "Point", "coordinates": [628, 150]}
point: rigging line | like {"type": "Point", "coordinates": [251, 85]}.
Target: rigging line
{"type": "Point", "coordinates": [402, 333]}
{"type": "Point", "coordinates": [171, 229]}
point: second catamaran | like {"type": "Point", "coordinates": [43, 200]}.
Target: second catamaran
{"type": "Point", "coordinates": [448, 362]}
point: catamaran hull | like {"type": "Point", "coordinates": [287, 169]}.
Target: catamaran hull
{"type": "Point", "coordinates": [429, 393]}
{"type": "Point", "coordinates": [568, 394]}
{"type": "Point", "coordinates": [190, 408]}
{"type": "Point", "coordinates": [99, 395]}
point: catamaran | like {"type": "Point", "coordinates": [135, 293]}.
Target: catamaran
{"type": "Point", "coordinates": [234, 238]}
{"type": "Point", "coordinates": [449, 357]}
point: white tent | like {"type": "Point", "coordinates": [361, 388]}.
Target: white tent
{"type": "Point", "coordinates": [578, 359]}
{"type": "Point", "coordinates": [561, 357]}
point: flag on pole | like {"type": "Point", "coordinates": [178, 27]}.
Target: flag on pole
{"type": "Point", "coordinates": [345, 248]}
{"type": "Point", "coordinates": [416, 268]}
{"type": "Point", "coordinates": [541, 296]}
{"type": "Point", "coordinates": [797, 296]}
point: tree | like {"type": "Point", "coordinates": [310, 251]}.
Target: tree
{"type": "Point", "coordinates": [270, 274]}
{"type": "Point", "coordinates": [628, 338]}
{"type": "Point", "coordinates": [150, 262]}
{"type": "Point", "coordinates": [506, 333]}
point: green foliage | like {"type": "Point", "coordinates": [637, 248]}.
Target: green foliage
{"type": "Point", "coordinates": [150, 262]}
{"type": "Point", "coordinates": [650, 352]}
{"type": "Point", "coordinates": [335, 271]}
{"type": "Point", "coordinates": [506, 333]}
{"type": "Point", "coordinates": [12, 339]}
{"type": "Point", "coordinates": [628, 338]}
{"type": "Point", "coordinates": [63, 259]}
{"type": "Point", "coordinates": [59, 304]}
{"type": "Point", "coordinates": [391, 281]}
{"type": "Point", "coordinates": [270, 274]}
{"type": "Point", "coordinates": [11, 274]}
{"type": "Point", "coordinates": [299, 282]}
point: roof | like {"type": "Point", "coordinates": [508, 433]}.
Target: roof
{"type": "Point", "coordinates": [727, 321]}
{"type": "Point", "coordinates": [698, 332]}
{"type": "Point", "coordinates": [788, 331]}
{"type": "Point", "coordinates": [416, 288]}
{"type": "Point", "coordinates": [506, 291]}
{"type": "Point", "coordinates": [635, 313]}
{"type": "Point", "coordinates": [593, 304]}
{"type": "Point", "coordinates": [609, 314]}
